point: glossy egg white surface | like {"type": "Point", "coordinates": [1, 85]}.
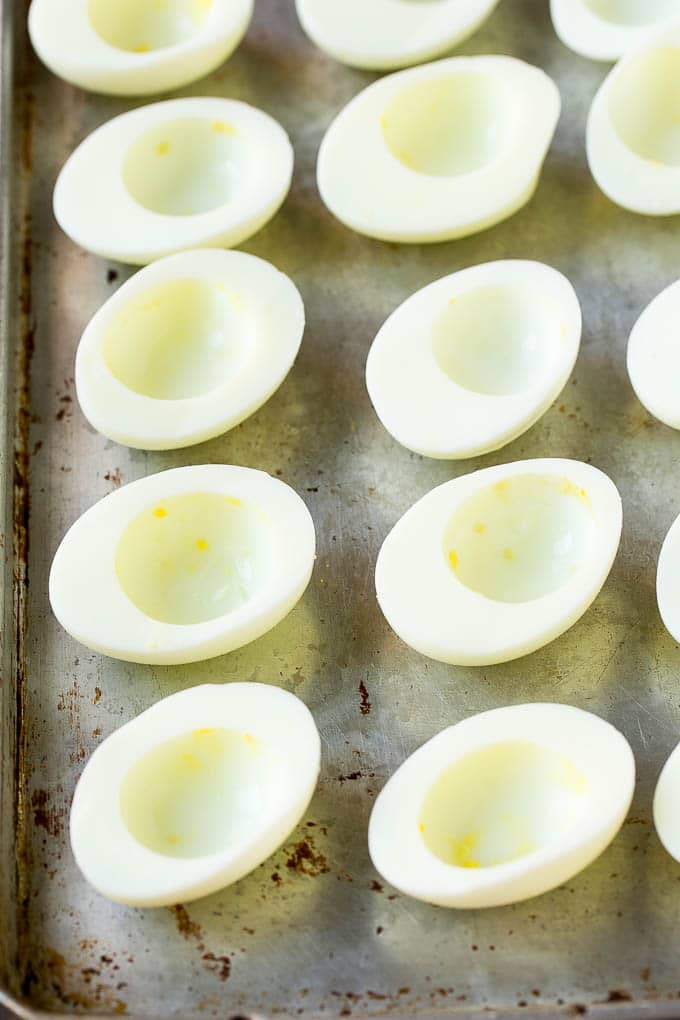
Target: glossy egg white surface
{"type": "Point", "coordinates": [183, 565]}
{"type": "Point", "coordinates": [187, 348]}
{"type": "Point", "coordinates": [495, 564]}
{"type": "Point", "coordinates": [471, 361]}
{"type": "Point", "coordinates": [439, 151]}
{"type": "Point", "coordinates": [181, 174]}
{"type": "Point", "coordinates": [382, 35]}
{"type": "Point", "coordinates": [668, 580]}
{"type": "Point", "coordinates": [607, 29]}
{"type": "Point", "coordinates": [666, 800]}
{"type": "Point", "coordinates": [194, 793]}
{"type": "Point", "coordinates": [653, 358]}
{"type": "Point", "coordinates": [136, 47]}
{"type": "Point", "coordinates": [502, 806]}
{"type": "Point", "coordinates": [632, 138]}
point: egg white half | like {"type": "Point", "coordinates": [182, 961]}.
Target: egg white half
{"type": "Point", "coordinates": [439, 151]}
{"type": "Point", "coordinates": [607, 29]}
{"type": "Point", "coordinates": [382, 35]}
{"type": "Point", "coordinates": [180, 174]}
{"type": "Point", "coordinates": [189, 347]}
{"type": "Point", "coordinates": [183, 565]}
{"type": "Point", "coordinates": [502, 806]}
{"type": "Point", "coordinates": [666, 799]}
{"type": "Point", "coordinates": [632, 137]}
{"type": "Point", "coordinates": [194, 793]}
{"type": "Point", "coordinates": [471, 361]}
{"type": "Point", "coordinates": [136, 47]}
{"type": "Point", "coordinates": [653, 358]}
{"type": "Point", "coordinates": [497, 563]}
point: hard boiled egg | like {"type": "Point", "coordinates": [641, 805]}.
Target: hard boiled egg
{"type": "Point", "coordinates": [471, 361]}
{"type": "Point", "coordinates": [502, 806]}
{"type": "Point", "coordinates": [666, 800]}
{"type": "Point", "coordinates": [633, 141]}
{"type": "Point", "coordinates": [169, 176]}
{"type": "Point", "coordinates": [194, 793]}
{"type": "Point", "coordinates": [439, 151]}
{"type": "Point", "coordinates": [136, 47]}
{"type": "Point", "coordinates": [188, 348]}
{"type": "Point", "coordinates": [386, 34]}
{"type": "Point", "coordinates": [606, 29]}
{"type": "Point", "coordinates": [668, 580]}
{"type": "Point", "coordinates": [654, 356]}
{"type": "Point", "coordinates": [497, 563]}
{"type": "Point", "coordinates": [183, 565]}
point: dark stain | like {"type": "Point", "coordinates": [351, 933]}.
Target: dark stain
{"type": "Point", "coordinates": [111, 275]}
{"type": "Point", "coordinates": [37, 447]}
{"type": "Point", "coordinates": [45, 816]}
{"type": "Point", "coordinates": [220, 965]}
{"type": "Point", "coordinates": [276, 878]}
{"type": "Point", "coordinates": [578, 1008]}
{"type": "Point", "coordinates": [376, 996]}
{"type": "Point", "coordinates": [474, 948]}
{"type": "Point", "coordinates": [616, 995]}
{"type": "Point", "coordinates": [187, 928]}
{"type": "Point", "coordinates": [645, 973]}
{"type": "Point", "coordinates": [350, 777]}
{"type": "Point", "coordinates": [365, 704]}
{"type": "Point", "coordinates": [379, 930]}
{"type": "Point", "coordinates": [114, 477]}
{"type": "Point", "coordinates": [376, 886]}
{"type": "Point", "coordinates": [313, 488]}
{"type": "Point", "coordinates": [306, 859]}
{"type": "Point", "coordinates": [97, 695]}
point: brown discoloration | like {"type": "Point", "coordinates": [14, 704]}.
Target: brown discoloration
{"type": "Point", "coordinates": [350, 777]}
{"type": "Point", "coordinates": [45, 815]}
{"type": "Point", "coordinates": [305, 859]}
{"type": "Point", "coordinates": [115, 477]}
{"type": "Point", "coordinates": [376, 886]}
{"type": "Point", "coordinates": [187, 928]}
{"type": "Point", "coordinates": [97, 695]}
{"type": "Point", "coordinates": [365, 704]}
{"type": "Point", "coordinates": [276, 878]}
{"type": "Point", "coordinates": [111, 275]}
{"type": "Point", "coordinates": [219, 965]}
{"type": "Point", "coordinates": [617, 995]}
{"type": "Point", "coordinates": [64, 979]}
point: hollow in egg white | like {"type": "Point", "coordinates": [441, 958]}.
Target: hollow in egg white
{"type": "Point", "coordinates": [136, 47]}
{"type": "Point", "coordinates": [653, 356]}
{"type": "Point", "coordinates": [439, 151]}
{"type": "Point", "coordinates": [502, 806]}
{"type": "Point", "coordinates": [632, 136]}
{"type": "Point", "coordinates": [607, 29]}
{"type": "Point", "coordinates": [386, 34]}
{"type": "Point", "coordinates": [497, 563]}
{"type": "Point", "coordinates": [469, 362]}
{"type": "Point", "coordinates": [189, 347]}
{"type": "Point", "coordinates": [194, 793]}
{"type": "Point", "coordinates": [183, 565]}
{"type": "Point", "coordinates": [185, 173]}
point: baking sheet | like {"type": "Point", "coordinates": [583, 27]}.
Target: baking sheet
{"type": "Point", "coordinates": [314, 932]}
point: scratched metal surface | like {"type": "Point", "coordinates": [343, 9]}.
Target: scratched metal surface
{"type": "Point", "coordinates": [313, 932]}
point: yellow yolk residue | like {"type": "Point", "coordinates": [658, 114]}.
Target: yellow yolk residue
{"type": "Point", "coordinates": [462, 851]}
{"type": "Point", "coordinates": [160, 511]}
{"type": "Point", "coordinates": [453, 559]}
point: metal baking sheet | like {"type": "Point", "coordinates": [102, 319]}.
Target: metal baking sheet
{"type": "Point", "coordinates": [314, 932]}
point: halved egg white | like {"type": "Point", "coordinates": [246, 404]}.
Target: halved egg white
{"type": "Point", "coordinates": [497, 563]}
{"type": "Point", "coordinates": [470, 362]}
{"type": "Point", "coordinates": [668, 580]}
{"type": "Point", "coordinates": [502, 806]}
{"type": "Point", "coordinates": [183, 565]}
{"type": "Point", "coordinates": [194, 793]}
{"type": "Point", "coordinates": [653, 358]}
{"type": "Point", "coordinates": [187, 348]}
{"type": "Point", "coordinates": [607, 29]}
{"type": "Point", "coordinates": [666, 800]}
{"type": "Point", "coordinates": [386, 34]}
{"type": "Point", "coordinates": [169, 176]}
{"type": "Point", "coordinates": [136, 47]}
{"type": "Point", "coordinates": [439, 151]}
{"type": "Point", "coordinates": [632, 138]}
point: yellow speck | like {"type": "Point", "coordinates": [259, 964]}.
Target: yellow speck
{"type": "Point", "coordinates": [421, 827]}
{"type": "Point", "coordinates": [222, 128]}
{"type": "Point", "coordinates": [191, 762]}
{"type": "Point", "coordinates": [172, 839]}
{"type": "Point", "coordinates": [453, 301]}
{"type": "Point", "coordinates": [383, 122]}
{"type": "Point", "coordinates": [205, 732]}
{"type": "Point", "coordinates": [462, 851]}
{"type": "Point", "coordinates": [142, 48]}
{"type": "Point", "coordinates": [501, 489]}
{"type": "Point", "coordinates": [508, 554]}
{"type": "Point", "coordinates": [479, 528]}
{"type": "Point", "coordinates": [250, 739]}
{"type": "Point", "coordinates": [233, 500]}
{"type": "Point", "coordinates": [160, 511]}
{"type": "Point", "coordinates": [201, 544]}
{"type": "Point", "coordinates": [163, 148]}
{"type": "Point", "coordinates": [406, 158]}
{"type": "Point", "coordinates": [453, 559]}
